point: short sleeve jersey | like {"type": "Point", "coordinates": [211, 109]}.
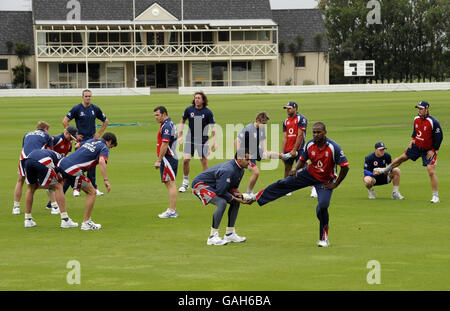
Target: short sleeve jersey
{"type": "Point", "coordinates": [85, 157]}
{"type": "Point", "coordinates": [427, 133]}
{"type": "Point", "coordinates": [85, 119]}
{"type": "Point", "coordinates": [372, 161]}
{"type": "Point", "coordinates": [292, 126]}
{"type": "Point", "coordinates": [61, 145]}
{"type": "Point", "coordinates": [198, 121]}
{"type": "Point", "coordinates": [46, 157]}
{"type": "Point", "coordinates": [167, 133]}
{"type": "Point", "coordinates": [324, 160]}
{"type": "Point", "coordinates": [33, 140]}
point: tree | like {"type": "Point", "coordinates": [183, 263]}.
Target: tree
{"type": "Point", "coordinates": [19, 72]}
{"type": "Point", "coordinates": [318, 37]}
{"type": "Point", "coordinates": [9, 46]}
{"type": "Point", "coordinates": [411, 42]}
{"type": "Point", "coordinates": [294, 48]}
{"type": "Point", "coordinates": [22, 51]}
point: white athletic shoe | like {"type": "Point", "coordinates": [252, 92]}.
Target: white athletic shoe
{"type": "Point", "coordinates": [29, 223]}
{"type": "Point", "coordinates": [184, 188]}
{"type": "Point", "coordinates": [435, 199]}
{"type": "Point", "coordinates": [372, 194]}
{"type": "Point", "coordinates": [169, 214]}
{"type": "Point", "coordinates": [55, 211]}
{"type": "Point", "coordinates": [68, 224]}
{"type": "Point", "coordinates": [216, 240]}
{"type": "Point", "coordinates": [323, 243]}
{"type": "Point", "coordinates": [397, 196]}
{"type": "Point", "coordinates": [313, 192]}
{"type": "Point", "coordinates": [234, 238]}
{"type": "Point", "coordinates": [76, 193]}
{"type": "Point", "coordinates": [16, 211]}
{"type": "Point", "coordinates": [99, 193]}
{"type": "Point", "coordinates": [90, 225]}
{"type": "Point", "coordinates": [249, 196]}
{"type": "Point", "coordinates": [289, 194]}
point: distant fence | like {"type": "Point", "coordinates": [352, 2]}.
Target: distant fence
{"type": "Point", "coordinates": [335, 88]}
{"type": "Point", "coordinates": [73, 92]}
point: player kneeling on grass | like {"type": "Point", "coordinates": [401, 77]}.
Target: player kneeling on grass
{"type": "Point", "coordinates": [40, 173]}
{"type": "Point", "coordinates": [376, 161]}
{"type": "Point", "coordinates": [324, 155]}
{"type": "Point", "coordinates": [218, 185]}
{"type": "Point", "coordinates": [92, 152]}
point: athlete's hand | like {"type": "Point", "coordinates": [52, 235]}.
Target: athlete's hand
{"type": "Point", "coordinates": [293, 173]}
{"type": "Point", "coordinates": [180, 137]}
{"type": "Point", "coordinates": [410, 144]}
{"type": "Point", "coordinates": [108, 186]}
{"type": "Point", "coordinates": [242, 201]}
{"type": "Point", "coordinates": [293, 153]}
{"type": "Point", "coordinates": [157, 164]}
{"type": "Point", "coordinates": [96, 136]}
{"type": "Point", "coordinates": [330, 186]}
{"type": "Point", "coordinates": [79, 137]}
{"type": "Point", "coordinates": [430, 154]}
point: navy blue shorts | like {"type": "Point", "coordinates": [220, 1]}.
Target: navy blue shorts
{"type": "Point", "coordinates": [168, 169]}
{"type": "Point", "coordinates": [381, 179]}
{"type": "Point", "coordinates": [415, 152]}
{"type": "Point", "coordinates": [77, 182]}
{"type": "Point", "coordinates": [202, 149]}
{"type": "Point", "coordinates": [37, 173]}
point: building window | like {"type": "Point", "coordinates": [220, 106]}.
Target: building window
{"type": "Point", "coordinates": [3, 64]}
{"type": "Point", "coordinates": [251, 36]}
{"type": "Point", "coordinates": [67, 75]}
{"type": "Point", "coordinates": [237, 35]}
{"type": "Point", "coordinates": [300, 61]}
{"type": "Point", "coordinates": [219, 72]}
{"type": "Point", "coordinates": [224, 36]}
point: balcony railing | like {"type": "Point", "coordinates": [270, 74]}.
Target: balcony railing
{"type": "Point", "coordinates": [157, 50]}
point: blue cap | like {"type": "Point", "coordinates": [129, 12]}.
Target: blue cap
{"type": "Point", "coordinates": [380, 145]}
{"type": "Point", "coordinates": [291, 105]}
{"type": "Point", "coordinates": [73, 131]}
{"type": "Point", "coordinates": [423, 104]}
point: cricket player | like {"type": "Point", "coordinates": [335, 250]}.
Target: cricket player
{"type": "Point", "coordinates": [92, 153]}
{"type": "Point", "coordinates": [426, 139]}
{"type": "Point", "coordinates": [219, 185]}
{"type": "Point", "coordinates": [40, 173]}
{"type": "Point", "coordinates": [38, 139]}
{"type": "Point", "coordinates": [167, 161]}
{"type": "Point", "coordinates": [325, 155]}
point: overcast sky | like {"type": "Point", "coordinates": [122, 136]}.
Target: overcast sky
{"type": "Point", "coordinates": [293, 4]}
{"type": "Point", "coordinates": [25, 5]}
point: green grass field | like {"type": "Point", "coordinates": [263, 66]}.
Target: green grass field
{"type": "Point", "coordinates": [135, 250]}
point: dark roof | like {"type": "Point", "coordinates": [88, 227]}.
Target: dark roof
{"type": "Point", "coordinates": [306, 22]}
{"type": "Point", "coordinates": [123, 9]}
{"type": "Point", "coordinates": [16, 27]}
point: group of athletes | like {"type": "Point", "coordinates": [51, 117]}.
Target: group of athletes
{"type": "Point", "coordinates": [316, 163]}
{"type": "Point", "coordinates": [45, 163]}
